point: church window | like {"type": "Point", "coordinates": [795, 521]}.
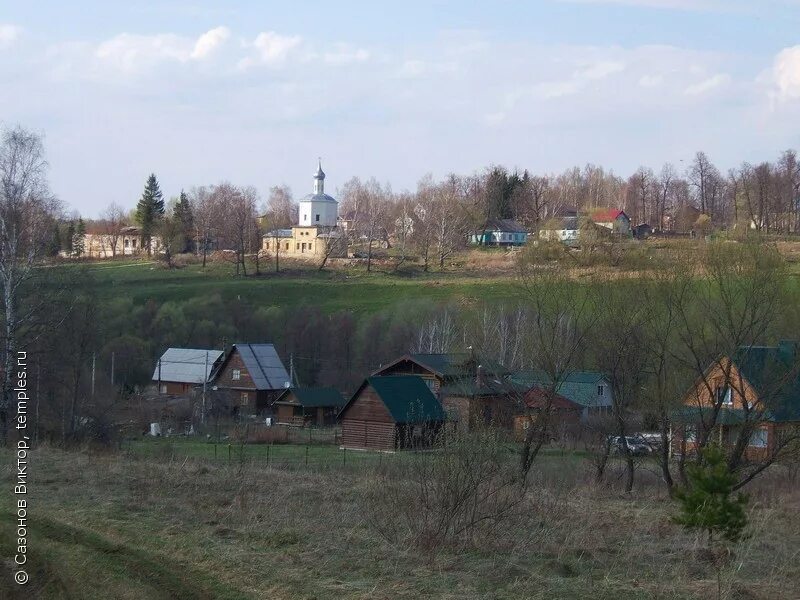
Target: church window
{"type": "Point", "coordinates": [317, 218]}
{"type": "Point", "coordinates": [298, 246]}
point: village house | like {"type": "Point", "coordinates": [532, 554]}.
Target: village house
{"type": "Point", "coordinates": [308, 406]}
{"type": "Point", "coordinates": [613, 219]}
{"type": "Point", "coordinates": [179, 370]}
{"type": "Point", "coordinates": [252, 376]}
{"type": "Point", "coordinates": [317, 234]}
{"type": "Point", "coordinates": [99, 242]}
{"type": "Point", "coordinates": [391, 413]}
{"type": "Point", "coordinates": [472, 391]}
{"type": "Point", "coordinates": [588, 390]}
{"type": "Point", "coordinates": [757, 390]}
{"type": "Point", "coordinates": [561, 229]}
{"type": "Point", "coordinates": [501, 232]}
{"type": "Point", "coordinates": [564, 413]}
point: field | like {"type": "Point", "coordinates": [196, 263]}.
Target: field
{"type": "Point", "coordinates": [160, 523]}
{"type": "Point", "coordinates": [352, 289]}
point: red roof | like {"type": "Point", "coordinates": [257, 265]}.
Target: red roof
{"type": "Point", "coordinates": [607, 215]}
{"type": "Point", "coordinates": [536, 397]}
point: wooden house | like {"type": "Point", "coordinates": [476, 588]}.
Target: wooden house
{"type": "Point", "coordinates": [179, 370]}
{"type": "Point", "coordinates": [757, 391]}
{"type": "Point", "coordinates": [564, 413]}
{"type": "Point", "coordinates": [501, 232]}
{"type": "Point", "coordinates": [308, 406]}
{"type": "Point", "coordinates": [253, 376]}
{"type": "Point", "coordinates": [391, 413]}
{"type": "Point", "coordinates": [588, 389]}
{"type": "Point", "coordinates": [472, 390]}
{"type": "Point", "coordinates": [613, 219]}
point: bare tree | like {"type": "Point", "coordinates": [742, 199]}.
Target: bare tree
{"type": "Point", "coordinates": [207, 218]}
{"type": "Point", "coordinates": [26, 208]}
{"type": "Point", "coordinates": [113, 222]}
{"type": "Point", "coordinates": [281, 207]}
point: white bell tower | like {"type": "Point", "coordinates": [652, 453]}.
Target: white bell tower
{"type": "Point", "coordinates": [318, 209]}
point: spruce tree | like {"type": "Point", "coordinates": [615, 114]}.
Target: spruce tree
{"type": "Point", "coordinates": [150, 209]}
{"type": "Point", "coordinates": [69, 237]}
{"type": "Point", "coordinates": [183, 213]}
{"type": "Point", "coordinates": [79, 239]}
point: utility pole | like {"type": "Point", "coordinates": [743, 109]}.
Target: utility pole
{"type": "Point", "coordinates": [291, 368]}
{"type": "Point", "coordinates": [94, 356]}
{"type": "Point", "coordinates": [159, 375]}
{"type": "Point", "coordinates": [205, 381]}
{"type": "Point", "coordinates": [112, 369]}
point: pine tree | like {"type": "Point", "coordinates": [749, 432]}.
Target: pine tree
{"type": "Point", "coordinates": [707, 504]}
{"type": "Point", "coordinates": [79, 239]}
{"type": "Point", "coordinates": [183, 213]}
{"type": "Point", "coordinates": [70, 234]}
{"type": "Point", "coordinates": [150, 209]}
{"type": "Point", "coordinates": [54, 245]}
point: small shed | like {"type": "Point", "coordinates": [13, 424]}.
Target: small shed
{"type": "Point", "coordinates": [181, 369]}
{"type": "Point", "coordinates": [308, 406]}
{"type": "Point", "coordinates": [391, 413]}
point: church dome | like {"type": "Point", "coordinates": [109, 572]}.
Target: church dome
{"type": "Point", "coordinates": [319, 194]}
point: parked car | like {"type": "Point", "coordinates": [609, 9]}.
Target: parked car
{"type": "Point", "coordinates": [636, 445]}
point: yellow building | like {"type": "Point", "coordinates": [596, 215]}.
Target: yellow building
{"type": "Point", "coordinates": [317, 235]}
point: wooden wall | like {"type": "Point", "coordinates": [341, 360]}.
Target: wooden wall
{"type": "Point", "coordinates": [367, 424]}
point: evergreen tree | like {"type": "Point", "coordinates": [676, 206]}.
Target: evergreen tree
{"type": "Point", "coordinates": [79, 239]}
{"type": "Point", "coordinates": [183, 213]}
{"type": "Point", "coordinates": [707, 504]}
{"type": "Point", "coordinates": [69, 237]}
{"type": "Point", "coordinates": [150, 209]}
{"type": "Point", "coordinates": [54, 244]}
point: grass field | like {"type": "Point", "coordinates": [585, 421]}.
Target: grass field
{"type": "Point", "coordinates": [352, 289]}
{"type": "Point", "coordinates": [129, 525]}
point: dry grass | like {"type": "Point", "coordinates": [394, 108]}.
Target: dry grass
{"type": "Point", "coordinates": [113, 526]}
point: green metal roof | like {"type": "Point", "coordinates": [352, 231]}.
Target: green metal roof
{"type": "Point", "coordinates": [316, 397]}
{"type": "Point", "coordinates": [774, 372]}
{"type": "Point", "coordinates": [457, 364]}
{"type": "Point", "coordinates": [579, 386]}
{"type": "Point", "coordinates": [408, 398]}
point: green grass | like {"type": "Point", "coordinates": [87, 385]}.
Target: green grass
{"type": "Point", "coordinates": [353, 289]}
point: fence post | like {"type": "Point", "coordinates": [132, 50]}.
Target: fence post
{"type": "Point", "coordinates": [229, 453]}
{"type": "Point", "coordinates": [306, 455]}
{"type": "Point", "coordinates": [215, 450]}
{"type": "Point", "coordinates": [268, 447]}
{"type": "Point", "coordinates": [344, 456]}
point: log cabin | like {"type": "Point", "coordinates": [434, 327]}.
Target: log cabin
{"type": "Point", "coordinates": [253, 377]}
{"type": "Point", "coordinates": [391, 413]}
{"type": "Point", "coordinates": [302, 407]}
{"type": "Point", "coordinates": [473, 390]}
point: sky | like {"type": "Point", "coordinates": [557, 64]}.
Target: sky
{"type": "Point", "coordinates": [252, 92]}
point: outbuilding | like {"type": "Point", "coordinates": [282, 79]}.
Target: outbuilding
{"type": "Point", "coordinates": [391, 413]}
{"type": "Point", "coordinates": [308, 406]}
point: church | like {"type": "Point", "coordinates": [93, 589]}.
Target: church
{"type": "Point", "coordinates": [316, 235]}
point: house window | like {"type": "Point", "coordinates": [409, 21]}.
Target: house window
{"type": "Point", "coordinates": [127, 243]}
{"type": "Point", "coordinates": [759, 438]}
{"type": "Point", "coordinates": [304, 246]}
{"type": "Point", "coordinates": [266, 246]}
{"type": "Point", "coordinates": [691, 433]}
{"type": "Point", "coordinates": [287, 245]}
{"type": "Point", "coordinates": [317, 219]}
{"type": "Point", "coordinates": [245, 399]}
{"type": "Point", "coordinates": [298, 246]}
{"type": "Point", "coordinates": [724, 395]}
{"type": "Point", "coordinates": [236, 375]}
{"type": "Point", "coordinates": [601, 390]}
{"type": "Point", "coordinates": [133, 243]}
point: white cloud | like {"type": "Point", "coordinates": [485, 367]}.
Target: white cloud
{"type": "Point", "coordinates": [271, 48]}
{"type": "Point", "coordinates": [9, 34]}
{"type": "Point", "coordinates": [344, 54]}
{"type": "Point", "coordinates": [786, 73]}
{"type": "Point", "coordinates": [600, 70]}
{"type": "Point", "coordinates": [131, 52]}
{"type": "Point", "coordinates": [207, 43]}
{"type": "Point", "coordinates": [707, 85]}
{"type": "Point", "coordinates": [649, 81]}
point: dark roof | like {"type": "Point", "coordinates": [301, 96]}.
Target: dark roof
{"type": "Point", "coordinates": [315, 397]}
{"type": "Point", "coordinates": [507, 225]}
{"type": "Point", "coordinates": [488, 386]}
{"type": "Point", "coordinates": [536, 397]}
{"type": "Point", "coordinates": [407, 398]}
{"type": "Point", "coordinates": [263, 364]}
{"type": "Point", "coordinates": [456, 364]}
{"type": "Point", "coordinates": [774, 372]}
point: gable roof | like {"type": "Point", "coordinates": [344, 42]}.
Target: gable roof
{"type": "Point", "coordinates": [607, 215]}
{"type": "Point", "coordinates": [407, 398]}
{"type": "Point", "coordinates": [186, 365]}
{"type": "Point", "coordinates": [314, 397]}
{"type": "Point", "coordinates": [263, 364]}
{"type": "Point", "coordinates": [536, 397]}
{"type": "Point", "coordinates": [774, 372]}
{"type": "Point", "coordinates": [579, 386]}
{"type": "Point", "coordinates": [507, 225]}
{"type": "Point", "coordinates": [450, 364]}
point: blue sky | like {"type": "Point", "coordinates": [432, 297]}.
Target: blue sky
{"type": "Point", "coordinates": [253, 92]}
